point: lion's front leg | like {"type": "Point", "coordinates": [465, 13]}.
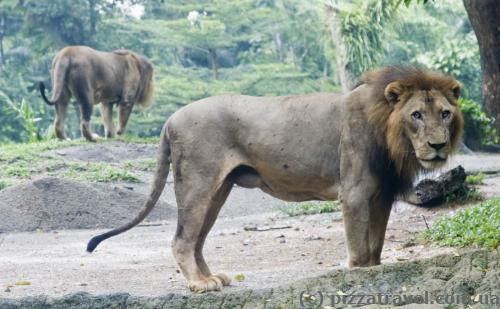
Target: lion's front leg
{"type": "Point", "coordinates": [125, 108]}
{"type": "Point", "coordinates": [356, 211]}
{"type": "Point", "coordinates": [379, 216]}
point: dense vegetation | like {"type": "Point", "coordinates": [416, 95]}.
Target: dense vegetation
{"type": "Point", "coordinates": [475, 226]}
{"type": "Point", "coordinates": [203, 48]}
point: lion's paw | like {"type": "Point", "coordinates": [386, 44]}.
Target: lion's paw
{"type": "Point", "coordinates": [212, 283]}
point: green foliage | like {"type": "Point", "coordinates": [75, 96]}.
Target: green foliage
{"type": "Point", "coordinates": [459, 58]}
{"type": "Point", "coordinates": [26, 114]}
{"type": "Point", "coordinates": [362, 32]}
{"type": "Point", "coordinates": [408, 2]}
{"type": "Point", "coordinates": [479, 129]}
{"type": "Point", "coordinates": [476, 226]}
{"type": "Point", "coordinates": [476, 179]}
{"type": "Point", "coordinates": [310, 208]}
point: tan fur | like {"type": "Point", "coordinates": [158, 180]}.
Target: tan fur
{"type": "Point", "coordinates": [363, 147]}
{"type": "Point", "coordinates": [121, 77]}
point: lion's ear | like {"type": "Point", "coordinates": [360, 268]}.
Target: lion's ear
{"type": "Point", "coordinates": [393, 92]}
{"type": "Point", "coordinates": [455, 88]}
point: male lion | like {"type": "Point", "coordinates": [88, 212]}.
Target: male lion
{"type": "Point", "coordinates": [120, 77]}
{"type": "Point", "coordinates": [364, 147]}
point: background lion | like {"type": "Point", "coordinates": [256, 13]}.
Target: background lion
{"type": "Point", "coordinates": [120, 77]}
{"type": "Point", "coordinates": [364, 147]}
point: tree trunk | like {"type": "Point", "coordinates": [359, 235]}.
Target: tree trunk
{"type": "Point", "coordinates": [93, 15]}
{"type": "Point", "coordinates": [333, 22]}
{"type": "Point", "coordinates": [2, 34]}
{"type": "Point", "coordinates": [484, 16]}
{"type": "Point", "coordinates": [212, 53]}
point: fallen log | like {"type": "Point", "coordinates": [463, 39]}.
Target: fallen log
{"type": "Point", "coordinates": [432, 191]}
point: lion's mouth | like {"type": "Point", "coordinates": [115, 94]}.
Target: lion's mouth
{"type": "Point", "coordinates": [435, 159]}
{"type": "Point", "coordinates": [435, 162]}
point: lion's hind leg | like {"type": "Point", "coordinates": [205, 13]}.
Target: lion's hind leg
{"type": "Point", "coordinates": [198, 206]}
{"type": "Point", "coordinates": [61, 110]}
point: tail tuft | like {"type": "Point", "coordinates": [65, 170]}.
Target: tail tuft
{"type": "Point", "coordinates": [93, 243]}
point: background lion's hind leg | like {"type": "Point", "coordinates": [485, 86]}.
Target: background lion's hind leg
{"type": "Point", "coordinates": [198, 206]}
{"type": "Point", "coordinates": [61, 106]}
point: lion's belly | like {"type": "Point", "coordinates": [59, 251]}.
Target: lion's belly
{"type": "Point", "coordinates": [294, 182]}
{"type": "Point", "coordinates": [293, 195]}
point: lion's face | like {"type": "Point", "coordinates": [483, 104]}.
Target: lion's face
{"type": "Point", "coordinates": [429, 120]}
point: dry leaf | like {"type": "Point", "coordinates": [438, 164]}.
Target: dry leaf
{"type": "Point", "coordinates": [23, 283]}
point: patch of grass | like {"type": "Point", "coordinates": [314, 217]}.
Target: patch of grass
{"type": "Point", "coordinates": [311, 208]}
{"type": "Point", "coordinates": [19, 170]}
{"type": "Point", "coordinates": [99, 172]}
{"type": "Point", "coordinates": [22, 160]}
{"type": "Point", "coordinates": [476, 226]}
{"type": "Point", "coordinates": [146, 165]}
{"type": "Point", "coordinates": [3, 184]}
{"type": "Point", "coordinates": [476, 179]}
{"type": "Point", "coordinates": [10, 153]}
{"type": "Point", "coordinates": [139, 140]}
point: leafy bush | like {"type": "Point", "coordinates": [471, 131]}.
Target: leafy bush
{"type": "Point", "coordinates": [459, 58]}
{"type": "Point", "coordinates": [476, 226]}
{"type": "Point", "coordinates": [479, 129]}
{"type": "Point", "coordinates": [476, 179]}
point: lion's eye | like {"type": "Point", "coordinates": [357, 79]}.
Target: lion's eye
{"type": "Point", "coordinates": [416, 115]}
{"type": "Point", "coordinates": [445, 114]}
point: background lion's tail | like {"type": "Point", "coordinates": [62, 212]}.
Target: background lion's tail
{"type": "Point", "coordinates": [41, 85]}
{"type": "Point", "coordinates": [160, 178]}
{"type": "Point", "coordinates": [60, 69]}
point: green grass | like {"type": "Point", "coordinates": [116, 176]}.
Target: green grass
{"type": "Point", "coordinates": [139, 140]}
{"type": "Point", "coordinates": [11, 153]}
{"type": "Point", "coordinates": [476, 179]}
{"type": "Point", "coordinates": [21, 161]}
{"type": "Point", "coordinates": [477, 226]}
{"type": "Point", "coordinates": [147, 165]}
{"type": "Point", "coordinates": [311, 208]}
{"type": "Point", "coordinates": [3, 184]}
{"type": "Point", "coordinates": [98, 172]}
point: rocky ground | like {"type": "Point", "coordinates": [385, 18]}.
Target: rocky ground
{"type": "Point", "coordinates": [48, 218]}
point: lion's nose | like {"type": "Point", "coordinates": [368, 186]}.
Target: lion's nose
{"type": "Point", "coordinates": [437, 146]}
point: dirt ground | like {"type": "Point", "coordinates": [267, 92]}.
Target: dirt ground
{"type": "Point", "coordinates": [47, 222]}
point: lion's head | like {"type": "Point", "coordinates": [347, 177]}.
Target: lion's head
{"type": "Point", "coordinates": [416, 115]}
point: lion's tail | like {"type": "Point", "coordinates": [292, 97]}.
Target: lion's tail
{"type": "Point", "coordinates": [42, 92]}
{"type": "Point", "coordinates": [60, 70]}
{"type": "Point", "coordinates": [160, 178]}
